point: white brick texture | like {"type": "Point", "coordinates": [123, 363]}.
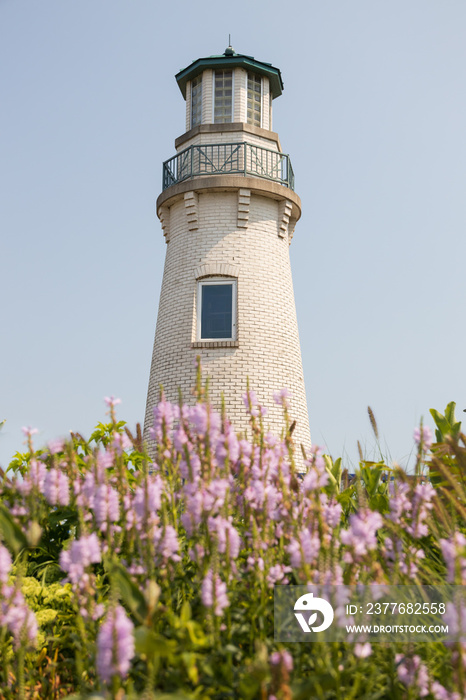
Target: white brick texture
{"type": "Point", "coordinates": [255, 250]}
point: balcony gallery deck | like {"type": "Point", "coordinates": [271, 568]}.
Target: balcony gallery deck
{"type": "Point", "coordinates": [228, 158]}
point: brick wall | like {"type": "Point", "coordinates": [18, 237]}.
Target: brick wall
{"type": "Point", "coordinates": [268, 350]}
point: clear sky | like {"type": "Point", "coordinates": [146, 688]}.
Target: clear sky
{"type": "Point", "coordinates": [373, 115]}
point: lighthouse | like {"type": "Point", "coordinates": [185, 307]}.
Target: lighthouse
{"type": "Point", "coordinates": [228, 210]}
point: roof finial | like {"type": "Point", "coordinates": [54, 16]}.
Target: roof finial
{"type": "Point", "coordinates": [229, 51]}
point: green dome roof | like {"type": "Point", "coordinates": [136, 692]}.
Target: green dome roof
{"type": "Point", "coordinates": [231, 59]}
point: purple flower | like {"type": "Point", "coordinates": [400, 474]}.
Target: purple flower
{"type": "Point", "coordinates": [400, 504]}
{"type": "Point", "coordinates": [423, 438]}
{"type": "Point", "coordinates": [441, 693]}
{"type": "Point", "coordinates": [252, 563]}
{"type": "Point", "coordinates": [277, 573]}
{"type": "Point", "coordinates": [362, 534]}
{"type": "Point", "coordinates": [455, 618]}
{"type": "Point", "coordinates": [362, 651]}
{"type": "Point", "coordinates": [259, 411]}
{"type": "Point", "coordinates": [81, 554]}
{"type": "Point", "coordinates": [164, 415]}
{"type": "Point", "coordinates": [255, 494]}
{"type": "Point", "coordinates": [56, 446]}
{"type": "Point", "coordinates": [273, 498]}
{"type": "Point", "coordinates": [454, 553]}
{"type": "Point", "coordinates": [281, 398]}
{"type": "Point", "coordinates": [422, 504]}
{"type": "Point", "coordinates": [85, 491]}
{"type": "Point", "coordinates": [167, 543]}
{"type": "Point", "coordinates": [213, 495]}
{"type": "Point", "coordinates": [395, 554]}
{"type": "Point", "coordinates": [249, 399]}
{"type": "Point", "coordinates": [227, 446]}
{"type": "Point", "coordinates": [331, 511]}
{"type": "Point", "coordinates": [15, 614]}
{"type": "Point", "coordinates": [205, 420]}
{"type": "Point", "coordinates": [28, 431]}
{"type": "Point", "coordinates": [412, 672]}
{"type": "Point", "coordinates": [180, 439]}
{"type": "Point", "coordinates": [115, 645]}
{"type": "Point", "coordinates": [227, 535]}
{"type": "Point", "coordinates": [105, 460]}
{"type": "Point", "coordinates": [303, 550]}
{"type": "Point", "coordinates": [37, 472]}
{"type": "Point", "coordinates": [148, 498]}
{"type": "Point", "coordinates": [111, 401]}
{"type": "Point", "coordinates": [192, 517]}
{"type": "Point", "coordinates": [34, 478]}
{"type": "Point", "coordinates": [5, 564]}
{"type": "Point", "coordinates": [121, 442]}
{"type": "Point", "coordinates": [107, 505]}
{"type": "Point", "coordinates": [56, 488]}
{"type": "Point", "coordinates": [332, 577]}
{"type": "Point", "coordinates": [316, 476]}
{"type": "Point", "coordinates": [282, 658]}
{"type": "Point", "coordinates": [197, 553]}
{"type": "Point", "coordinates": [214, 596]}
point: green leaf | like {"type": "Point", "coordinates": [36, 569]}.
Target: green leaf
{"type": "Point", "coordinates": [152, 644]}
{"type": "Point", "coordinates": [185, 612]}
{"type": "Point", "coordinates": [67, 513]}
{"type": "Point", "coordinates": [12, 532]}
{"type": "Point", "coordinates": [447, 424]}
{"type": "Point", "coordinates": [196, 633]}
{"type": "Point", "coordinates": [329, 468]}
{"type": "Point", "coordinates": [380, 503]}
{"type": "Point", "coordinates": [450, 412]}
{"type": "Point", "coordinates": [345, 497]}
{"type": "Point", "coordinates": [371, 477]}
{"type": "Point", "coordinates": [129, 591]}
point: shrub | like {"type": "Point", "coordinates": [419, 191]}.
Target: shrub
{"type": "Point", "coordinates": [125, 576]}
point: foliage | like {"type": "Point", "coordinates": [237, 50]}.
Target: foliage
{"type": "Point", "coordinates": [126, 576]}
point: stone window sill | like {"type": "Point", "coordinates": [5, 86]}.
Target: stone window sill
{"type": "Point", "coordinates": [215, 344]}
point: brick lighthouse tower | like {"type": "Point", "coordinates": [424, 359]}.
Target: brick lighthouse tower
{"type": "Point", "coordinates": [228, 211]}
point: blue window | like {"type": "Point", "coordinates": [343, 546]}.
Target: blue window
{"type": "Point", "coordinates": [217, 309]}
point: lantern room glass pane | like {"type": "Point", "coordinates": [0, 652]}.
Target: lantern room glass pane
{"type": "Point", "coordinates": [217, 311]}
{"type": "Point", "coordinates": [196, 101]}
{"type": "Point", "coordinates": [223, 96]}
{"type": "Point", "coordinates": [254, 106]}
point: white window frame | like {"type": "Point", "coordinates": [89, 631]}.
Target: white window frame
{"type": "Point", "coordinates": [262, 98]}
{"type": "Point", "coordinates": [232, 95]}
{"type": "Point", "coordinates": [191, 105]}
{"type": "Point", "coordinates": [234, 297]}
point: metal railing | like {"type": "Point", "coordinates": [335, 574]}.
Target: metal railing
{"type": "Point", "coordinates": [228, 159]}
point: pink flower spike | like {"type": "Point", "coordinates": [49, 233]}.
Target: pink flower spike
{"type": "Point", "coordinates": [115, 645]}
{"type": "Point", "coordinates": [56, 488]}
{"type": "Point", "coordinates": [214, 593]}
{"type": "Point", "coordinates": [282, 657]}
{"type": "Point", "coordinates": [362, 651]}
{"type": "Point", "coordinates": [5, 564]}
{"type": "Point", "coordinates": [423, 437]}
{"type": "Point", "coordinates": [56, 445]}
{"type": "Point", "coordinates": [28, 431]}
{"type": "Point", "coordinates": [249, 398]}
{"type": "Point", "coordinates": [281, 397]}
{"type": "Point", "coordinates": [111, 401]}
